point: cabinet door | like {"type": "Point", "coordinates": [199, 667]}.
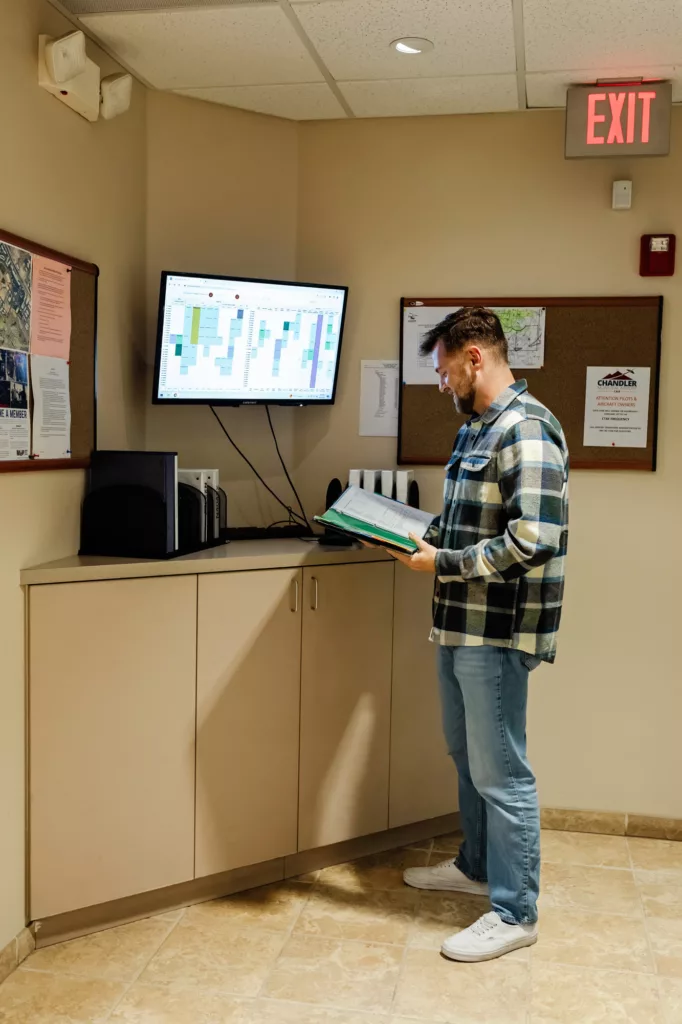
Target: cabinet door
{"type": "Point", "coordinates": [345, 702]}
{"type": "Point", "coordinates": [112, 714]}
{"type": "Point", "coordinates": [423, 778]}
{"type": "Point", "coordinates": [248, 695]}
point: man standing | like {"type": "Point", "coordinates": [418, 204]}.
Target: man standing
{"type": "Point", "coordinates": [498, 553]}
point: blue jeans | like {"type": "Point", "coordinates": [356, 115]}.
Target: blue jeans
{"type": "Point", "coordinates": [484, 692]}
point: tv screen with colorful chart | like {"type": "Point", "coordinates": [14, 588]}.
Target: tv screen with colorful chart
{"type": "Point", "coordinates": [234, 341]}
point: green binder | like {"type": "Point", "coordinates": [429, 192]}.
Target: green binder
{"type": "Point", "coordinates": [357, 528]}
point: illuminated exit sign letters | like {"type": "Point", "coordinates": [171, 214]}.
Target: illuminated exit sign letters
{"type": "Point", "coordinates": [612, 120]}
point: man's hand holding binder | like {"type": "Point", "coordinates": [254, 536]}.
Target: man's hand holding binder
{"type": "Point", "coordinates": [424, 558]}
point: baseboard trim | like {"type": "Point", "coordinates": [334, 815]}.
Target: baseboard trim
{"type": "Point", "coordinates": [132, 908]}
{"type": "Point", "coordinates": [75, 923]}
{"type": "Point", "coordinates": [654, 828]}
{"type": "Point", "coordinates": [15, 952]}
{"type": "Point", "coordinates": [612, 824]}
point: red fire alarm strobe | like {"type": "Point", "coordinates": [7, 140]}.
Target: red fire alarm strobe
{"type": "Point", "coordinates": [657, 256]}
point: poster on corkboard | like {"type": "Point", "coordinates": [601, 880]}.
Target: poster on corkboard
{"type": "Point", "coordinates": [555, 344]}
{"type": "Point", "coordinates": [48, 340]}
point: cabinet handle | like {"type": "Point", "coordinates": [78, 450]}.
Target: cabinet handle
{"type": "Point", "coordinates": [313, 594]}
{"type": "Point", "coordinates": [295, 607]}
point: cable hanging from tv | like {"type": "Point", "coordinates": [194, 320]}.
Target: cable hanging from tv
{"type": "Point", "coordinates": [300, 521]}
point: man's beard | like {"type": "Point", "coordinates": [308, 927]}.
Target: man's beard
{"type": "Point", "coordinates": [464, 404]}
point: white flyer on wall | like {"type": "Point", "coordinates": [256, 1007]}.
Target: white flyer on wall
{"type": "Point", "coordinates": [379, 398]}
{"type": "Point", "coordinates": [15, 434]}
{"type": "Point", "coordinates": [51, 408]}
{"type": "Point", "coordinates": [617, 406]}
{"type": "Point", "coordinates": [523, 326]}
{"type": "Point", "coordinates": [417, 320]}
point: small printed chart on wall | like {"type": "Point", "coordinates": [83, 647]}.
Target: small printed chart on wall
{"type": "Point", "coordinates": [593, 361]}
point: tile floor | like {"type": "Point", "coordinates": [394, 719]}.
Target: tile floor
{"type": "Point", "coordinates": [352, 945]}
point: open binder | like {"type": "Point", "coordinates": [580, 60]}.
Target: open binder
{"type": "Point", "coordinates": [374, 518]}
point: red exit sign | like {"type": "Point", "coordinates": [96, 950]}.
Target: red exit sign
{"type": "Point", "coordinates": [620, 118]}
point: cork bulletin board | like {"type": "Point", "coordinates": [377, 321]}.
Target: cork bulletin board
{"type": "Point", "coordinates": [82, 361]}
{"type": "Point", "coordinates": [579, 332]}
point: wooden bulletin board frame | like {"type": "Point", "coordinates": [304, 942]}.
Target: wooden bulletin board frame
{"type": "Point", "coordinates": [620, 325]}
{"type": "Point", "coordinates": [82, 361]}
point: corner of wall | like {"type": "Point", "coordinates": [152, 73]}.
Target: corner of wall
{"type": "Point", "coordinates": [226, 202]}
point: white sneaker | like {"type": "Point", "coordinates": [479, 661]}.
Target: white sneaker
{"type": "Point", "coordinates": [488, 938]}
{"type": "Point", "coordinates": [444, 877]}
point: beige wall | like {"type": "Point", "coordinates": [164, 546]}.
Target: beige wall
{"type": "Point", "coordinates": [222, 199]}
{"type": "Point", "coordinates": [79, 188]}
{"type": "Point", "coordinates": [487, 205]}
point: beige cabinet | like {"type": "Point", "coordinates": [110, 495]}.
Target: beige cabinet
{"type": "Point", "coordinates": [184, 726]}
{"type": "Point", "coordinates": [248, 692]}
{"type": "Point", "coordinates": [345, 702]}
{"type": "Point", "coordinates": [112, 715]}
{"type": "Point", "coordinates": [423, 778]}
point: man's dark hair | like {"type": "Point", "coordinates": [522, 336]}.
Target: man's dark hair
{"type": "Point", "coordinates": [469, 324]}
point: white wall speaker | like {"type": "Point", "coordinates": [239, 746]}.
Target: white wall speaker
{"type": "Point", "coordinates": [117, 92]}
{"type": "Point", "coordinates": [80, 93]}
{"type": "Point", "coordinates": [65, 57]}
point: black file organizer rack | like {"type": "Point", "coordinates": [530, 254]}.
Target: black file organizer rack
{"type": "Point", "coordinates": [131, 521]}
{"type": "Point", "coordinates": [212, 503]}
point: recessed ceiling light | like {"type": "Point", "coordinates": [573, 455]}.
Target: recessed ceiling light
{"type": "Point", "coordinates": [412, 44]}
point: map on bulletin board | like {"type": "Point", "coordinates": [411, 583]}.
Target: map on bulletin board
{"type": "Point", "coordinates": [15, 298]}
{"type": "Point", "coordinates": [524, 328]}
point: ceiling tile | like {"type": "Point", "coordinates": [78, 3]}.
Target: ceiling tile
{"type": "Point", "coordinates": [353, 36]}
{"type": "Point", "coordinates": [295, 102]}
{"type": "Point", "coordinates": [604, 34]}
{"type": "Point", "coordinates": [81, 7]}
{"type": "Point", "coordinates": [252, 45]}
{"type": "Point", "coordinates": [470, 94]}
{"type": "Point", "coordinates": [548, 89]}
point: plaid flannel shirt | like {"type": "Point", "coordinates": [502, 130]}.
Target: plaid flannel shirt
{"type": "Point", "coordinates": [503, 532]}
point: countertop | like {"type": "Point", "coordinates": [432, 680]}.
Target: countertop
{"type": "Point", "coordinates": [238, 556]}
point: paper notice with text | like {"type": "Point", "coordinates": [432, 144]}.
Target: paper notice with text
{"type": "Point", "coordinates": [417, 321]}
{"type": "Point", "coordinates": [616, 407]}
{"type": "Point", "coordinates": [378, 399]}
{"type": "Point", "coordinates": [51, 408]}
{"type": "Point", "coordinates": [51, 309]}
